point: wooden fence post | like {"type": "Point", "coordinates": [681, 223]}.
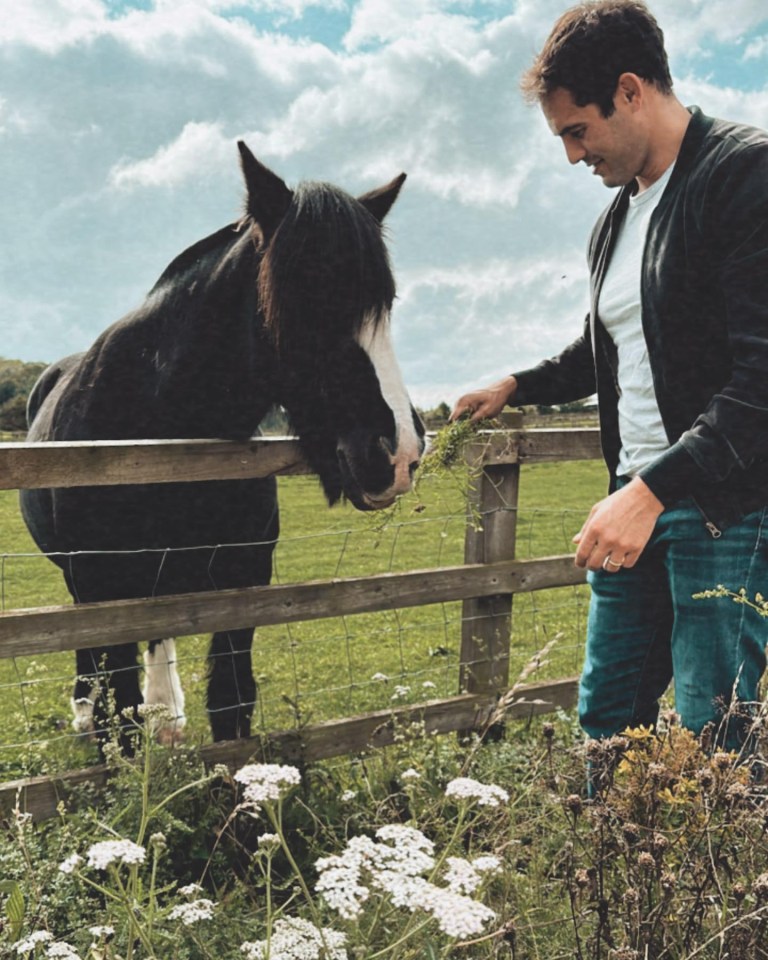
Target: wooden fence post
{"type": "Point", "coordinates": [490, 536]}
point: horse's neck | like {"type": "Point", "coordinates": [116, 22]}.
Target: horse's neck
{"type": "Point", "coordinates": [192, 360]}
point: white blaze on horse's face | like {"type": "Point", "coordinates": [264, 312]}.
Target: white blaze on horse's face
{"type": "Point", "coordinates": [376, 340]}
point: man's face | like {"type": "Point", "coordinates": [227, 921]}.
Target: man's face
{"type": "Point", "coordinates": [614, 147]}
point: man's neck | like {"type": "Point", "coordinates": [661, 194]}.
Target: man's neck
{"type": "Point", "coordinates": [670, 120]}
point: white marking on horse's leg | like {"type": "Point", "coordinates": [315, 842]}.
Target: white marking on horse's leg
{"type": "Point", "coordinates": [376, 340]}
{"type": "Point", "coordinates": [163, 686]}
{"type": "Point", "coordinates": [82, 719]}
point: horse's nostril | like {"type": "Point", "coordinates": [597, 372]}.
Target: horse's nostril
{"type": "Point", "coordinates": [412, 467]}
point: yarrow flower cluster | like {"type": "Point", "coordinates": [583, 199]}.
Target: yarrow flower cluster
{"type": "Point", "coordinates": [465, 876]}
{"type": "Point", "coordinates": [102, 854]}
{"type": "Point", "coordinates": [486, 794]}
{"type": "Point", "coordinates": [296, 939]}
{"type": "Point", "coordinates": [410, 774]}
{"type": "Point", "coordinates": [393, 865]}
{"type": "Point", "coordinates": [28, 944]}
{"type": "Point", "coordinates": [71, 863]}
{"type": "Point", "coordinates": [192, 912]}
{"type": "Point", "coordinates": [266, 782]}
{"type": "Point", "coordinates": [62, 950]}
{"type": "Point", "coordinates": [54, 948]}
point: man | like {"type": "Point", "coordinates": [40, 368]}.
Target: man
{"type": "Point", "coordinates": [676, 347]}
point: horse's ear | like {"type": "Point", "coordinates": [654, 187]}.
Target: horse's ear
{"type": "Point", "coordinates": [379, 201]}
{"type": "Point", "coordinates": [268, 196]}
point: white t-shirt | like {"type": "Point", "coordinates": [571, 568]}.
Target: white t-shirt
{"type": "Point", "coordinates": [643, 437]}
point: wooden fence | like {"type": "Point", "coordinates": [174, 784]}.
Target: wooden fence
{"type": "Point", "coordinates": [486, 583]}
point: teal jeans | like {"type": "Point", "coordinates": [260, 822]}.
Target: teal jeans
{"type": "Point", "coordinates": [645, 629]}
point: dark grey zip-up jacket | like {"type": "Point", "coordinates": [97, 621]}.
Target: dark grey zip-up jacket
{"type": "Point", "coordinates": [704, 292]}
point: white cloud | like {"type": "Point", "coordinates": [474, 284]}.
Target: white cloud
{"type": "Point", "coordinates": [50, 25]}
{"type": "Point", "coordinates": [199, 147]}
{"type": "Point", "coordinates": [133, 157]}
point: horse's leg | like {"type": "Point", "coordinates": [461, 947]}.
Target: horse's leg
{"type": "Point", "coordinates": [85, 692]}
{"type": "Point", "coordinates": [163, 686]}
{"type": "Point", "coordinates": [107, 688]}
{"type": "Point", "coordinates": [231, 687]}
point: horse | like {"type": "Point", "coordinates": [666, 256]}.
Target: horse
{"type": "Point", "coordinates": [290, 305]}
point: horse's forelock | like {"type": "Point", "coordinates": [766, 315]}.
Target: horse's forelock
{"type": "Point", "coordinates": [326, 264]}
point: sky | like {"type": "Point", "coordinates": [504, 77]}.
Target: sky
{"type": "Point", "coordinates": [118, 129]}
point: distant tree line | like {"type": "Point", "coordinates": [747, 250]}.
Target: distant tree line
{"type": "Point", "coordinates": [16, 380]}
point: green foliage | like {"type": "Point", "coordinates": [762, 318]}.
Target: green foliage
{"type": "Point", "coordinates": [670, 862]}
{"type": "Point", "coordinates": [16, 380]}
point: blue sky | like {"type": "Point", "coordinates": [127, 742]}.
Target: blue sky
{"type": "Point", "coordinates": [118, 123]}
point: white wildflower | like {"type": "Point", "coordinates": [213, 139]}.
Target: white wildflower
{"type": "Point", "coordinates": [296, 939]}
{"type": "Point", "coordinates": [348, 795]}
{"type": "Point", "coordinates": [190, 890]}
{"type": "Point", "coordinates": [266, 782]}
{"type": "Point", "coordinates": [380, 678]}
{"type": "Point", "coordinates": [428, 685]}
{"type": "Point", "coordinates": [393, 865]}
{"type": "Point", "coordinates": [102, 931]}
{"type": "Point", "coordinates": [410, 774]}
{"type": "Point", "coordinates": [401, 692]}
{"type": "Point", "coordinates": [64, 951]}
{"type": "Point", "coordinates": [340, 877]}
{"type": "Point", "coordinates": [346, 879]}
{"type": "Point", "coordinates": [100, 855]}
{"type": "Point", "coordinates": [486, 794]}
{"type": "Point", "coordinates": [192, 912]}
{"type": "Point", "coordinates": [464, 876]}
{"type": "Point", "coordinates": [28, 944]}
{"type": "Point", "coordinates": [269, 841]}
{"type": "Point", "coordinates": [69, 865]}
{"type": "Point", "coordinates": [456, 915]}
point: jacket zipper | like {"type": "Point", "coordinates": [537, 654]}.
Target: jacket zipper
{"type": "Point", "coordinates": [714, 530]}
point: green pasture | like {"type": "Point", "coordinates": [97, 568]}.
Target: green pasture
{"type": "Point", "coordinates": [323, 669]}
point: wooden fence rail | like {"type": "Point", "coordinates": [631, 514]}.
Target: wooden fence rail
{"type": "Point", "coordinates": [485, 583]}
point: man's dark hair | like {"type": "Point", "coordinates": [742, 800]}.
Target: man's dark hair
{"type": "Point", "coordinates": [589, 48]}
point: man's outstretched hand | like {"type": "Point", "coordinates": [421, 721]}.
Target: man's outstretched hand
{"type": "Point", "coordinates": [487, 402]}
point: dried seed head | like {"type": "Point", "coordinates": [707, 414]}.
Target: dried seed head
{"type": "Point", "coordinates": [581, 878]}
{"type": "Point", "coordinates": [574, 803]}
{"type": "Point", "coordinates": [739, 892]}
{"type": "Point", "coordinates": [722, 761]}
{"type": "Point", "coordinates": [646, 861]}
{"type": "Point", "coordinates": [657, 772]}
{"type": "Point", "coordinates": [705, 777]}
{"type": "Point", "coordinates": [760, 887]}
{"type": "Point", "coordinates": [631, 897]}
{"type": "Point", "coordinates": [631, 832]}
{"type": "Point", "coordinates": [668, 882]}
{"type": "Point", "coordinates": [659, 844]}
{"type": "Point", "coordinates": [624, 953]}
{"type": "Point", "coordinates": [548, 731]}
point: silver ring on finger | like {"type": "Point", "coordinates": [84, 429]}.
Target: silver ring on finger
{"type": "Point", "coordinates": [614, 564]}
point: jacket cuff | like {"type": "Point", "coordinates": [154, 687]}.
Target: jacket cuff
{"type": "Point", "coordinates": [673, 475]}
{"type": "Point", "coordinates": [525, 380]}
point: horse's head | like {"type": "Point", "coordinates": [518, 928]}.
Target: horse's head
{"type": "Point", "coordinates": [326, 291]}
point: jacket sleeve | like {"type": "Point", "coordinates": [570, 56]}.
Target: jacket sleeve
{"type": "Point", "coordinates": [731, 434]}
{"type": "Point", "coordinates": [561, 379]}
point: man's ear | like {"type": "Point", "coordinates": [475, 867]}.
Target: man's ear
{"type": "Point", "coordinates": [630, 90]}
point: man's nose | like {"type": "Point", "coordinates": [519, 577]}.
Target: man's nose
{"type": "Point", "coordinates": [574, 151]}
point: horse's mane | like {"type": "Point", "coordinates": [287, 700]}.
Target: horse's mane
{"type": "Point", "coordinates": [325, 270]}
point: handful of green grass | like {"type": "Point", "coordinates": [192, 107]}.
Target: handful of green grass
{"type": "Point", "coordinates": [446, 447]}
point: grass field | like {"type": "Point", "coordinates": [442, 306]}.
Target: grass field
{"type": "Point", "coordinates": [324, 669]}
